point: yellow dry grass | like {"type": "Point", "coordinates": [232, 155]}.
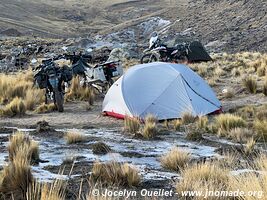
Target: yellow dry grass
{"type": "Point", "coordinates": [246, 111]}
{"type": "Point", "coordinates": [150, 119]}
{"type": "Point", "coordinates": [249, 146]}
{"type": "Point", "coordinates": [260, 126]}
{"type": "Point", "coordinates": [212, 81]}
{"type": "Point", "coordinates": [236, 72]}
{"type": "Point", "coordinates": [176, 159]}
{"type": "Point", "coordinates": [202, 177]}
{"type": "Point", "coordinates": [240, 134]}
{"type": "Point", "coordinates": [177, 124]}
{"type": "Point", "coordinates": [15, 85]}
{"type": "Point", "coordinates": [187, 118]}
{"type": "Point", "coordinates": [46, 191]}
{"type": "Point", "coordinates": [202, 123]}
{"type": "Point", "coordinates": [230, 160]}
{"type": "Point", "coordinates": [15, 108]}
{"type": "Point", "coordinates": [150, 129]}
{"type": "Point", "coordinates": [261, 114]}
{"type": "Point", "coordinates": [20, 142]}
{"type": "Point", "coordinates": [116, 174]}
{"type": "Point", "coordinates": [19, 86]}
{"type": "Point", "coordinates": [33, 97]}
{"type": "Point", "coordinates": [250, 84]}
{"type": "Point", "coordinates": [193, 132]}
{"type": "Point", "coordinates": [226, 122]}
{"type": "Point", "coordinates": [261, 66]}
{"type": "Point", "coordinates": [131, 125]}
{"type": "Point", "coordinates": [203, 70]}
{"type": "Point", "coordinates": [17, 177]}
{"type": "Point", "coordinates": [17, 181]}
{"type": "Point", "coordinates": [45, 108]}
{"type": "Point", "coordinates": [251, 181]}
{"type": "Point", "coordinates": [72, 137]}
{"type": "Point", "coordinates": [219, 71]}
{"type": "Point", "coordinates": [79, 92]}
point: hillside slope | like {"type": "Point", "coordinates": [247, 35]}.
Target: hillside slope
{"type": "Point", "coordinates": [227, 25]}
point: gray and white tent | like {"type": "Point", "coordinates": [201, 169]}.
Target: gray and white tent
{"type": "Point", "coordinates": [165, 90]}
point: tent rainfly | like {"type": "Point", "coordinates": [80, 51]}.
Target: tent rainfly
{"type": "Point", "coordinates": [165, 90]}
{"type": "Point", "coordinates": [197, 53]}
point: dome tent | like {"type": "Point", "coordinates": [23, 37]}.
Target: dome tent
{"type": "Point", "coordinates": [165, 90]}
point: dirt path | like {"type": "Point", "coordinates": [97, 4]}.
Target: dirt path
{"type": "Point", "coordinates": [75, 116]}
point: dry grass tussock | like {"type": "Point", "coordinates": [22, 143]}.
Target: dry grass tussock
{"type": "Point", "coordinates": [45, 108]}
{"type": "Point", "coordinates": [203, 70]}
{"type": "Point", "coordinates": [17, 181]}
{"type": "Point", "coordinates": [261, 113]}
{"type": "Point", "coordinates": [202, 123]}
{"type": "Point", "coordinates": [260, 66]}
{"type": "Point", "coordinates": [33, 97]}
{"type": "Point", "coordinates": [232, 64]}
{"type": "Point", "coordinates": [252, 181]}
{"type": "Point", "coordinates": [219, 71]}
{"type": "Point", "coordinates": [131, 125]}
{"type": "Point", "coordinates": [20, 142]}
{"type": "Point", "coordinates": [100, 148]}
{"type": "Point", "coordinates": [260, 127]}
{"type": "Point", "coordinates": [150, 119]}
{"type": "Point", "coordinates": [11, 86]}
{"type": "Point", "coordinates": [261, 71]}
{"type": "Point", "coordinates": [246, 112]}
{"type": "Point", "coordinates": [250, 83]}
{"type": "Point", "coordinates": [177, 124]}
{"type": "Point", "coordinates": [16, 177]}
{"type": "Point", "coordinates": [188, 118]}
{"type": "Point", "coordinates": [236, 72]}
{"type": "Point", "coordinates": [226, 122]}
{"type": "Point", "coordinates": [150, 129]}
{"type": "Point", "coordinates": [230, 160]}
{"type": "Point", "coordinates": [202, 177]}
{"type": "Point", "coordinates": [176, 159]}
{"type": "Point", "coordinates": [116, 174]}
{"type": "Point", "coordinates": [79, 92]}
{"type": "Point", "coordinates": [193, 132]}
{"type": "Point", "coordinates": [241, 134]}
{"type": "Point", "coordinates": [249, 146]}
{"type": "Point", "coordinates": [20, 86]}
{"type": "Point", "coordinates": [74, 137]}
{"type": "Point", "coordinates": [212, 81]}
{"type": "Point", "coordinates": [45, 191]}
{"type": "Point", "coordinates": [15, 108]}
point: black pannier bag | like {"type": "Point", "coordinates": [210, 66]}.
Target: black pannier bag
{"type": "Point", "coordinates": [79, 67]}
{"type": "Point", "coordinates": [66, 73]}
{"type": "Point", "coordinates": [40, 80]}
